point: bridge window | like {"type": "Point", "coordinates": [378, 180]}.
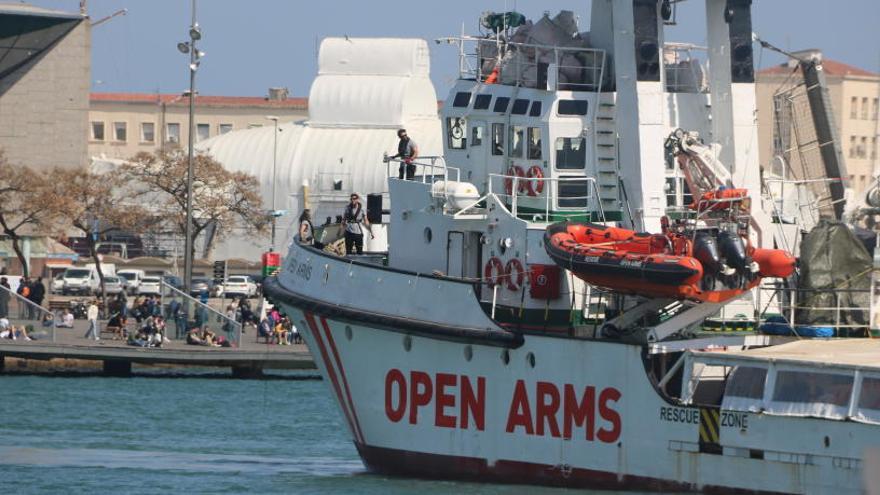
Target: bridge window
{"type": "Point", "coordinates": [572, 107]}
{"type": "Point", "coordinates": [498, 139]}
{"type": "Point", "coordinates": [535, 143]}
{"type": "Point", "coordinates": [535, 111]}
{"type": "Point", "coordinates": [462, 98]}
{"type": "Point", "coordinates": [477, 135]}
{"type": "Point", "coordinates": [745, 388]}
{"type": "Point", "coordinates": [869, 401]}
{"type": "Point", "coordinates": [803, 393]}
{"type": "Point", "coordinates": [520, 106]}
{"type": "Point", "coordinates": [481, 102]}
{"type": "Point", "coordinates": [456, 132]}
{"type": "Point", "coordinates": [573, 193]}
{"type": "Point", "coordinates": [501, 104]}
{"type": "Point", "coordinates": [571, 153]}
{"type": "Point", "coordinates": [516, 141]}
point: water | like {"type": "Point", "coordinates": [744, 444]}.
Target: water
{"type": "Point", "coordinates": [193, 435]}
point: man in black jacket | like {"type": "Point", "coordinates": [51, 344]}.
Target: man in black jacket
{"type": "Point", "coordinates": [38, 293]}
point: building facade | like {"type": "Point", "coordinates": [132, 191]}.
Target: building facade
{"type": "Point", "coordinates": [855, 99]}
{"type": "Point", "coordinates": [45, 72]}
{"type": "Point", "coordinates": [122, 124]}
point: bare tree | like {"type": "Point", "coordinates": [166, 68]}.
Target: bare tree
{"type": "Point", "coordinates": [94, 205]}
{"type": "Point", "coordinates": [221, 198]}
{"type": "Point", "coordinates": [27, 205]}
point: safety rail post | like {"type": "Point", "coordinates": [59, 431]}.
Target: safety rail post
{"type": "Point", "coordinates": [494, 299]}
{"type": "Point", "coordinates": [513, 198]}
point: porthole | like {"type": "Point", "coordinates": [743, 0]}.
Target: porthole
{"type": "Point", "coordinates": [468, 353]}
{"type": "Point", "coordinates": [407, 343]}
{"type": "Point", "coordinates": [347, 332]}
{"type": "Point", "coordinates": [428, 235]}
{"type": "Point", "coordinates": [505, 357]}
{"type": "Point", "coordinates": [530, 358]}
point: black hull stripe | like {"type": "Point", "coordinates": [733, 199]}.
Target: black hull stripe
{"type": "Point", "coordinates": [494, 337]}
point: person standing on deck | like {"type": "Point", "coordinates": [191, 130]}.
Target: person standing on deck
{"type": "Point", "coordinates": [38, 293]}
{"type": "Point", "coordinates": [92, 315]}
{"type": "Point", "coordinates": [352, 219]}
{"type": "Point", "coordinates": [407, 151]}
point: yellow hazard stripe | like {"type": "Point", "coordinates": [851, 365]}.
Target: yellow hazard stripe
{"type": "Point", "coordinates": [709, 419]}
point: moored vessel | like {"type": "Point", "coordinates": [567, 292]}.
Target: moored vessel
{"type": "Point", "coordinates": [476, 348]}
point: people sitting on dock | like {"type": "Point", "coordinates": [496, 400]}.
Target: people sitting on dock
{"type": "Point", "coordinates": [116, 325]}
{"type": "Point", "coordinates": [66, 320]}
{"type": "Point", "coordinates": [12, 332]}
{"type": "Point", "coordinates": [202, 336]}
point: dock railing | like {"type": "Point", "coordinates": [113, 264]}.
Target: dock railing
{"type": "Point", "coordinates": [190, 309]}
{"type": "Point", "coordinates": [37, 321]}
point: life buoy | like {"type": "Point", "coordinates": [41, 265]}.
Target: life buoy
{"type": "Point", "coordinates": [515, 274]}
{"type": "Point", "coordinates": [514, 171]}
{"type": "Point", "coordinates": [535, 184]}
{"type": "Point", "coordinates": [494, 272]}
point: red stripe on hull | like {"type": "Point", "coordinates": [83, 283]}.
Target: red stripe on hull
{"type": "Point", "coordinates": [437, 466]}
{"type": "Point", "coordinates": [331, 372]}
{"type": "Point", "coordinates": [332, 343]}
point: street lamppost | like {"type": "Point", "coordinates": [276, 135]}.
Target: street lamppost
{"type": "Point", "coordinates": [195, 55]}
{"type": "Point", "coordinates": [274, 168]}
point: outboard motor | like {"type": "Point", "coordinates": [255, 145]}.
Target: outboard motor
{"type": "Point", "coordinates": [734, 251]}
{"type": "Point", "coordinates": [706, 252]}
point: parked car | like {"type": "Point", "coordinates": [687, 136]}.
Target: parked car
{"type": "Point", "coordinates": [150, 286]}
{"type": "Point", "coordinates": [200, 284]}
{"type": "Point", "coordinates": [239, 285]}
{"type": "Point", "coordinates": [132, 279]}
{"type": "Point", "coordinates": [113, 284]}
{"type": "Point", "coordinates": [80, 281]}
{"type": "Point", "coordinates": [57, 284]}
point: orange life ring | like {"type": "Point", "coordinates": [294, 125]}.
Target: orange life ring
{"type": "Point", "coordinates": [537, 174]}
{"type": "Point", "coordinates": [514, 171]}
{"type": "Point", "coordinates": [515, 274]}
{"type": "Point", "coordinates": [494, 272]}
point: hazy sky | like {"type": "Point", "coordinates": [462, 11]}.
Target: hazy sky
{"type": "Point", "coordinates": [254, 44]}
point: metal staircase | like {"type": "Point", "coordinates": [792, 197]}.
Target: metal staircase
{"type": "Point", "coordinates": [607, 165]}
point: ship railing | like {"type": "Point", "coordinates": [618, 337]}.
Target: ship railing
{"type": "Point", "coordinates": [26, 317]}
{"type": "Point", "coordinates": [554, 68]}
{"type": "Point", "coordinates": [429, 169]}
{"type": "Point", "coordinates": [797, 304]}
{"type": "Point", "coordinates": [516, 192]}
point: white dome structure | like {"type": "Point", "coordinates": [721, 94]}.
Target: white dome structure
{"type": "Point", "coordinates": [366, 89]}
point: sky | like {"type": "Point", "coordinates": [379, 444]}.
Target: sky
{"type": "Point", "coordinates": [252, 45]}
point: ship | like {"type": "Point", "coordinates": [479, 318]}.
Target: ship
{"type": "Point", "coordinates": [473, 349]}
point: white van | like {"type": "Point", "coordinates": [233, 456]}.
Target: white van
{"type": "Point", "coordinates": [81, 280]}
{"type": "Point", "coordinates": [132, 279]}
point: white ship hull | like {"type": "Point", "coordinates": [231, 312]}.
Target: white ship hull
{"type": "Point", "coordinates": [541, 409]}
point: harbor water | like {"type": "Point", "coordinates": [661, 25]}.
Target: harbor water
{"type": "Point", "coordinates": [173, 434]}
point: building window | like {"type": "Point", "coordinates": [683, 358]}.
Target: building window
{"type": "Point", "coordinates": [119, 131]}
{"type": "Point", "coordinates": [203, 131]}
{"type": "Point", "coordinates": [97, 131]}
{"type": "Point", "coordinates": [873, 148]}
{"type": "Point", "coordinates": [254, 126]}
{"type": "Point", "coordinates": [148, 132]}
{"type": "Point", "coordinates": [173, 133]}
{"type": "Point", "coordinates": [852, 147]}
{"type": "Point", "coordinates": [456, 132]}
{"type": "Point", "coordinates": [498, 139]}
{"type": "Point", "coordinates": [864, 108]}
{"type": "Point", "coordinates": [516, 141]}
{"type": "Point", "coordinates": [875, 109]}
{"type": "Point", "coordinates": [863, 147]}
{"type": "Point", "coordinates": [224, 128]}
{"type": "Point", "coordinates": [853, 108]}
{"type": "Point", "coordinates": [534, 143]}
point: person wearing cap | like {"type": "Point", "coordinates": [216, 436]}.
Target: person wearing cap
{"type": "Point", "coordinates": [407, 151]}
{"type": "Point", "coordinates": [306, 230]}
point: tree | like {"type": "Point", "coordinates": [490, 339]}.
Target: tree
{"type": "Point", "coordinates": [221, 199]}
{"type": "Point", "coordinates": [95, 205]}
{"type": "Point", "coordinates": [27, 206]}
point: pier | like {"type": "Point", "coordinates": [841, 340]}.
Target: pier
{"type": "Point", "coordinates": [247, 361]}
